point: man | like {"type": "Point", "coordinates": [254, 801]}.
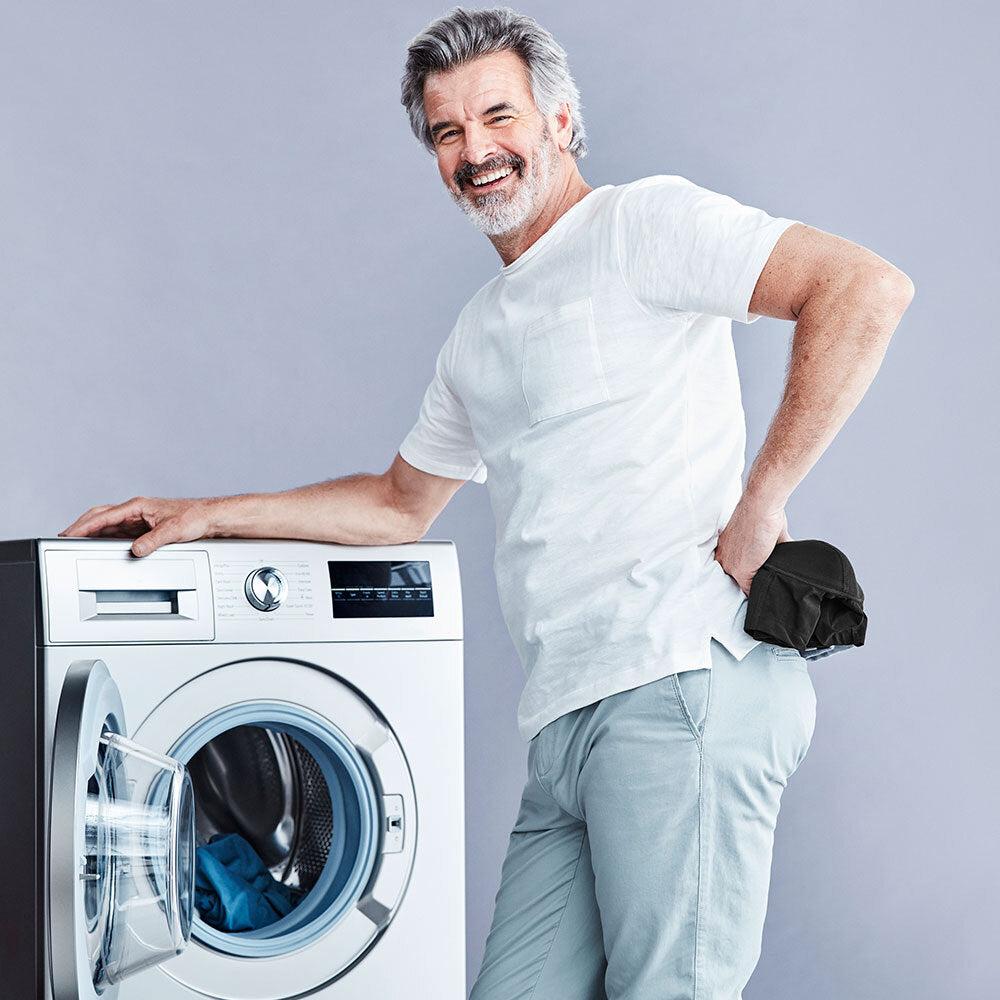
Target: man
{"type": "Point", "coordinates": [594, 380]}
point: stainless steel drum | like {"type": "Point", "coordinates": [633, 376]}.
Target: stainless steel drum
{"type": "Point", "coordinates": [264, 785]}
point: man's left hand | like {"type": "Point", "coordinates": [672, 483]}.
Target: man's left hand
{"type": "Point", "coordinates": [748, 539]}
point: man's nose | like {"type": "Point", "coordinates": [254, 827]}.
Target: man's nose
{"type": "Point", "coordinates": [479, 144]}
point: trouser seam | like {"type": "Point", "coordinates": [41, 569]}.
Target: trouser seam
{"type": "Point", "coordinates": [555, 933]}
{"type": "Point", "coordinates": [701, 852]}
{"type": "Point", "coordinates": [697, 921]}
{"type": "Point", "coordinates": [700, 743]}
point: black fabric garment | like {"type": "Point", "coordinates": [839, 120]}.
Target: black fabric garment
{"type": "Point", "coordinates": [806, 595]}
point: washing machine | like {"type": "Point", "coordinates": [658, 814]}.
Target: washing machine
{"type": "Point", "coordinates": [301, 701]}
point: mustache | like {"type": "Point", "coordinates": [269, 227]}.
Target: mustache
{"type": "Point", "coordinates": [466, 173]}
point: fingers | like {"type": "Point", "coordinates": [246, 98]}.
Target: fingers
{"type": "Point", "coordinates": [129, 530]}
{"type": "Point", "coordinates": [152, 523]}
{"type": "Point", "coordinates": [97, 519]}
{"type": "Point", "coordinates": [72, 529]}
{"type": "Point", "coordinates": [163, 534]}
{"type": "Point", "coordinates": [185, 525]}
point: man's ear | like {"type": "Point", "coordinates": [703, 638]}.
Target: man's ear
{"type": "Point", "coordinates": [563, 133]}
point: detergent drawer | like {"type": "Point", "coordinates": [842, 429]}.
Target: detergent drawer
{"type": "Point", "coordinates": [104, 596]}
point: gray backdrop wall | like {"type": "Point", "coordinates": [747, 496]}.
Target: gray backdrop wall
{"type": "Point", "coordinates": [226, 266]}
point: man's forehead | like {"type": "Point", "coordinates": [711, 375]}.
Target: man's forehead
{"type": "Point", "coordinates": [499, 78]}
{"type": "Point", "coordinates": [474, 104]}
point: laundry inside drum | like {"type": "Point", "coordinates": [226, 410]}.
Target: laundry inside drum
{"type": "Point", "coordinates": [265, 824]}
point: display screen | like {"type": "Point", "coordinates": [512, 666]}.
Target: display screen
{"type": "Point", "coordinates": [381, 589]}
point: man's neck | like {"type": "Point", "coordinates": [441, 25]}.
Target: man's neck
{"type": "Point", "coordinates": [567, 188]}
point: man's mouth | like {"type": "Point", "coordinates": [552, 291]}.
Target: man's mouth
{"type": "Point", "coordinates": [491, 179]}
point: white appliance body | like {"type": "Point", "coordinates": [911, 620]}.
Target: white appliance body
{"type": "Point", "coordinates": [360, 673]}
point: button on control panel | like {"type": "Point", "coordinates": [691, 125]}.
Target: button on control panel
{"type": "Point", "coordinates": [266, 588]}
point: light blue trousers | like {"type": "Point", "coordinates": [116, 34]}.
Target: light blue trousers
{"type": "Point", "coordinates": [639, 865]}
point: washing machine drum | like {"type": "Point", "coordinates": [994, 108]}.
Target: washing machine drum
{"type": "Point", "coordinates": [264, 787]}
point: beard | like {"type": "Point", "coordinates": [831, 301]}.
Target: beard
{"type": "Point", "coordinates": [499, 212]}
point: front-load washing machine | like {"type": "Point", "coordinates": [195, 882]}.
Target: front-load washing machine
{"type": "Point", "coordinates": [233, 769]}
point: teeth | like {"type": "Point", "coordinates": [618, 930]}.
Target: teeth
{"type": "Point", "coordinates": [492, 176]}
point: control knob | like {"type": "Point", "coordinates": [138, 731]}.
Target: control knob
{"type": "Point", "coordinates": [266, 588]}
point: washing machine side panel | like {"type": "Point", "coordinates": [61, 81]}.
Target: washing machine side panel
{"type": "Point", "coordinates": [22, 904]}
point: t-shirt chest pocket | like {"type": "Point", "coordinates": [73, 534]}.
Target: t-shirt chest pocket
{"type": "Point", "coordinates": [561, 369]}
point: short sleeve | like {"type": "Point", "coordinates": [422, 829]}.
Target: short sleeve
{"type": "Point", "coordinates": [683, 247]}
{"type": "Point", "coordinates": [441, 441]}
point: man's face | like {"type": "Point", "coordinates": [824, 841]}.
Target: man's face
{"type": "Point", "coordinates": [486, 128]}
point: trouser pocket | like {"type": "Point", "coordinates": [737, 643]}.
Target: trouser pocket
{"type": "Point", "coordinates": [693, 690]}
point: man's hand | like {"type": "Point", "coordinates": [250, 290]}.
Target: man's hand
{"type": "Point", "coordinates": [152, 522]}
{"type": "Point", "coordinates": [748, 539]}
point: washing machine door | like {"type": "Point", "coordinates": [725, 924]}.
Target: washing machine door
{"type": "Point", "coordinates": [294, 759]}
{"type": "Point", "coordinates": [121, 844]}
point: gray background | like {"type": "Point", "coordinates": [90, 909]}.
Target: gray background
{"type": "Point", "coordinates": [226, 266]}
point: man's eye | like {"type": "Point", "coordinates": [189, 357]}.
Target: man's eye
{"type": "Point", "coordinates": [447, 135]}
{"type": "Point", "coordinates": [500, 118]}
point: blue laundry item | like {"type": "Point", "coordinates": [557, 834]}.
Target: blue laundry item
{"type": "Point", "coordinates": [234, 891]}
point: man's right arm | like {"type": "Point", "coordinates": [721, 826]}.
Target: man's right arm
{"type": "Point", "coordinates": [395, 507]}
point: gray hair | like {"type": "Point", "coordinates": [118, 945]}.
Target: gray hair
{"type": "Point", "coordinates": [462, 35]}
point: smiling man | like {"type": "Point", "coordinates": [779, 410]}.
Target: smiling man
{"type": "Point", "coordinates": [495, 150]}
{"type": "Point", "coordinates": [593, 381]}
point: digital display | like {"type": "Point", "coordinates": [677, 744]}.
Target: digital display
{"type": "Point", "coordinates": [381, 589]}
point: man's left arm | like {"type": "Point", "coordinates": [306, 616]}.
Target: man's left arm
{"type": "Point", "coordinates": [846, 302]}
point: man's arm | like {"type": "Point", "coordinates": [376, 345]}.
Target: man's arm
{"type": "Point", "coordinates": [397, 506]}
{"type": "Point", "coordinates": [846, 302]}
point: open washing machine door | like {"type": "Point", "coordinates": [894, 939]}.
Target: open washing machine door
{"type": "Point", "coordinates": [121, 844]}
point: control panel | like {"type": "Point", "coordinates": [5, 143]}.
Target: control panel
{"type": "Point", "coordinates": [249, 590]}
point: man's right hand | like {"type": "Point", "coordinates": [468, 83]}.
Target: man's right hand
{"type": "Point", "coordinates": [152, 522]}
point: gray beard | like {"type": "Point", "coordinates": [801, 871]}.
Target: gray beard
{"type": "Point", "coordinates": [498, 212]}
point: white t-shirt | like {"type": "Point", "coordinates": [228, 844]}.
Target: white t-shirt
{"type": "Point", "coordinates": [595, 379]}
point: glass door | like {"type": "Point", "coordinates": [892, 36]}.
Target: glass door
{"type": "Point", "coordinates": [121, 844]}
